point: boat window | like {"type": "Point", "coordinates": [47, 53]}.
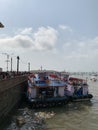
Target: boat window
{"type": "Point", "coordinates": [40, 82]}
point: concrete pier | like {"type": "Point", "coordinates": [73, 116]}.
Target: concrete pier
{"type": "Point", "coordinates": [11, 91]}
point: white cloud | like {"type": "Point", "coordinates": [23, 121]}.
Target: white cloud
{"type": "Point", "coordinates": [81, 44]}
{"type": "Point", "coordinates": [66, 28]}
{"type": "Point", "coordinates": [43, 39]}
{"type": "Point", "coordinates": [67, 44]}
{"type": "Point", "coordinates": [78, 56]}
{"type": "Point", "coordinates": [26, 31]}
{"type": "Point", "coordinates": [18, 41]}
{"type": "Point", "coordinates": [96, 39]}
{"type": "Point", "coordinates": [87, 49]}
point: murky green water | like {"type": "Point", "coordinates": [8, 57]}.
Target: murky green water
{"type": "Point", "coordinates": [74, 116]}
{"type": "Point", "coordinates": [77, 116]}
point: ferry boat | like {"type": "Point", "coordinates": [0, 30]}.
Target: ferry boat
{"type": "Point", "coordinates": [77, 89]}
{"type": "Point", "coordinates": [45, 89]}
{"type": "Point", "coordinates": [49, 89]}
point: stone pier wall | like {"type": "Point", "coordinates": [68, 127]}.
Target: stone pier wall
{"type": "Point", "coordinates": [11, 91]}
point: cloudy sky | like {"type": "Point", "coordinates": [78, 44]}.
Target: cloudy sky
{"type": "Point", "coordinates": [55, 34]}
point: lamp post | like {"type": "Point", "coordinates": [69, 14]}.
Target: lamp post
{"type": "Point", "coordinates": [1, 25]}
{"type": "Point", "coordinates": [18, 64]}
{"type": "Point", "coordinates": [29, 67]}
{"type": "Point", "coordinates": [11, 64]}
{"type": "Point", "coordinates": [7, 61]}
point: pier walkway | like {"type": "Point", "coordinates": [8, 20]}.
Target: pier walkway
{"type": "Point", "coordinates": [11, 91]}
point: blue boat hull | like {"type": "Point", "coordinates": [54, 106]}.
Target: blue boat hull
{"type": "Point", "coordinates": [76, 98]}
{"type": "Point", "coordinates": [49, 102]}
{"type": "Point", "coordinates": [57, 101]}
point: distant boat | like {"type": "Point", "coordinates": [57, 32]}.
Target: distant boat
{"type": "Point", "coordinates": [93, 78]}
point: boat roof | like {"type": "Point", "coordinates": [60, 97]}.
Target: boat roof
{"type": "Point", "coordinates": [76, 79]}
{"type": "Point", "coordinates": [47, 86]}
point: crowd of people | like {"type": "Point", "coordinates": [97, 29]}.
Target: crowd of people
{"type": "Point", "coordinates": [7, 75]}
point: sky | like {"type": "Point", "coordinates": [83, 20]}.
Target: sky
{"type": "Point", "coordinates": [58, 35]}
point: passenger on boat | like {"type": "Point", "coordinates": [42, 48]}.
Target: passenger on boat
{"type": "Point", "coordinates": [78, 90]}
{"type": "Point", "coordinates": [69, 89]}
{"type": "Point", "coordinates": [85, 89]}
{"type": "Point", "coordinates": [81, 89]}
